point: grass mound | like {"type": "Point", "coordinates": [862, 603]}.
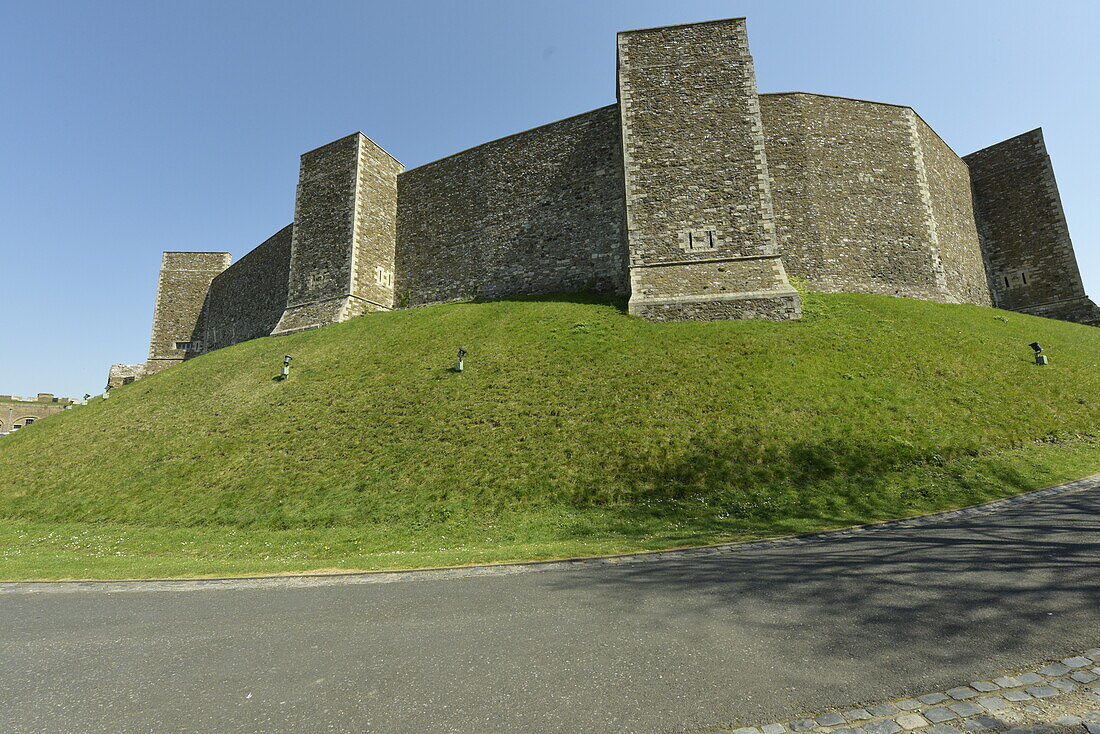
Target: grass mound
{"type": "Point", "coordinates": [574, 429]}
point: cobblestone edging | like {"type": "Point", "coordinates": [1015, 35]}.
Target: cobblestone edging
{"type": "Point", "coordinates": [1061, 695]}
{"type": "Point", "coordinates": [364, 577]}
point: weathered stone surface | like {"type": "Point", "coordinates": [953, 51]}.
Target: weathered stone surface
{"type": "Point", "coordinates": [247, 300]}
{"type": "Point", "coordinates": [1016, 695]}
{"type": "Point", "coordinates": [962, 692]}
{"type": "Point", "coordinates": [345, 233]}
{"type": "Point", "coordinates": [17, 412]}
{"type": "Point", "coordinates": [884, 726]}
{"type": "Point", "coordinates": [911, 721]}
{"type": "Point", "coordinates": [966, 708]}
{"type": "Point", "coordinates": [993, 703]}
{"type": "Point", "coordinates": [700, 226]}
{"type": "Point", "coordinates": [692, 194]}
{"type": "Point", "coordinates": [940, 713]}
{"type": "Point", "coordinates": [124, 374]}
{"type": "Point", "coordinates": [869, 199]}
{"type": "Point", "coordinates": [178, 315]}
{"type": "Point", "coordinates": [1043, 691]}
{"type": "Point", "coordinates": [1024, 233]}
{"type": "Point", "coordinates": [829, 719]}
{"type": "Point", "coordinates": [537, 212]}
{"type": "Point", "coordinates": [884, 709]}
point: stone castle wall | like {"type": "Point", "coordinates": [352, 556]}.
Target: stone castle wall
{"type": "Point", "coordinates": [868, 199]}
{"type": "Point", "coordinates": [700, 225]}
{"type": "Point", "coordinates": [247, 300]}
{"type": "Point", "coordinates": [536, 212]}
{"type": "Point", "coordinates": [1032, 267]}
{"type": "Point", "coordinates": [954, 235]}
{"type": "Point", "coordinates": [124, 374]}
{"type": "Point", "coordinates": [345, 221]}
{"type": "Point", "coordinates": [693, 194]}
{"type": "Point", "coordinates": [182, 288]}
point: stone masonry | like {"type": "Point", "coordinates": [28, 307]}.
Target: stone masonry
{"type": "Point", "coordinates": [178, 317]}
{"type": "Point", "coordinates": [1032, 267]}
{"type": "Point", "coordinates": [700, 226]}
{"type": "Point", "coordinates": [868, 199]}
{"type": "Point", "coordinates": [17, 412]}
{"type": "Point", "coordinates": [692, 194]}
{"type": "Point", "coordinates": [344, 235]}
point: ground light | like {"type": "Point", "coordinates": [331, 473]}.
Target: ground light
{"type": "Point", "coordinates": [286, 367]}
{"type": "Point", "coordinates": [1040, 358]}
{"type": "Point", "coordinates": [461, 354]}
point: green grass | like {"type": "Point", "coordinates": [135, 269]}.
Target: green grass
{"type": "Point", "coordinates": [575, 429]}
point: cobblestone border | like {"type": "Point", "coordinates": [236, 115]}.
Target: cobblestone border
{"type": "Point", "coordinates": [386, 576]}
{"type": "Point", "coordinates": [1000, 703]}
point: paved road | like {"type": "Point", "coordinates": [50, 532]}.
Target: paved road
{"type": "Point", "coordinates": [655, 646]}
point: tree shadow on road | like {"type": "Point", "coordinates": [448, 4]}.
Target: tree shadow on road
{"type": "Point", "coordinates": [928, 602]}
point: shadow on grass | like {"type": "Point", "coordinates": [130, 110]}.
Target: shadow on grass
{"type": "Point", "coordinates": [748, 477]}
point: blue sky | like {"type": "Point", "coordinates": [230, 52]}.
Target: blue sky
{"type": "Point", "coordinates": [129, 128]}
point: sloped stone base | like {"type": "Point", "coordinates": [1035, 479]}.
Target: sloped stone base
{"type": "Point", "coordinates": [1077, 310]}
{"type": "Point", "coordinates": [767, 306]}
{"type": "Point", "coordinates": [322, 313]}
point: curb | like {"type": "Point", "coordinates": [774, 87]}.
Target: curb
{"type": "Point", "coordinates": [1003, 700]}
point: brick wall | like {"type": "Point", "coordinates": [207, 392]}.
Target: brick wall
{"type": "Point", "coordinates": [536, 212]}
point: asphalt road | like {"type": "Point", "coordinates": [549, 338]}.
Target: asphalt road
{"type": "Point", "coordinates": [661, 645]}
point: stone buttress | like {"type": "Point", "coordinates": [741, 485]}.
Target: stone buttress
{"type": "Point", "coordinates": [345, 229]}
{"type": "Point", "coordinates": [700, 228]}
{"type": "Point", "coordinates": [1028, 251]}
{"type": "Point", "coordinates": [181, 296]}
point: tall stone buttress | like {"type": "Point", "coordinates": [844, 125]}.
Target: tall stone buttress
{"type": "Point", "coordinates": [1031, 264]}
{"type": "Point", "coordinates": [178, 315]}
{"type": "Point", "coordinates": [345, 229]}
{"type": "Point", "coordinates": [700, 228]}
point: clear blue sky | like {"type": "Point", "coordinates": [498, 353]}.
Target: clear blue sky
{"type": "Point", "coordinates": [129, 128]}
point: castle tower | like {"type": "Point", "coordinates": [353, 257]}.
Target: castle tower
{"type": "Point", "coordinates": [701, 235]}
{"type": "Point", "coordinates": [1024, 233]}
{"type": "Point", "coordinates": [345, 227]}
{"type": "Point", "coordinates": [181, 294]}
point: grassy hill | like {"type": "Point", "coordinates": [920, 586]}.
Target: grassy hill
{"type": "Point", "coordinates": [574, 429]}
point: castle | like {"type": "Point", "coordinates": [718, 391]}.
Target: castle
{"type": "Point", "coordinates": [693, 194]}
{"type": "Point", "coordinates": [17, 412]}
